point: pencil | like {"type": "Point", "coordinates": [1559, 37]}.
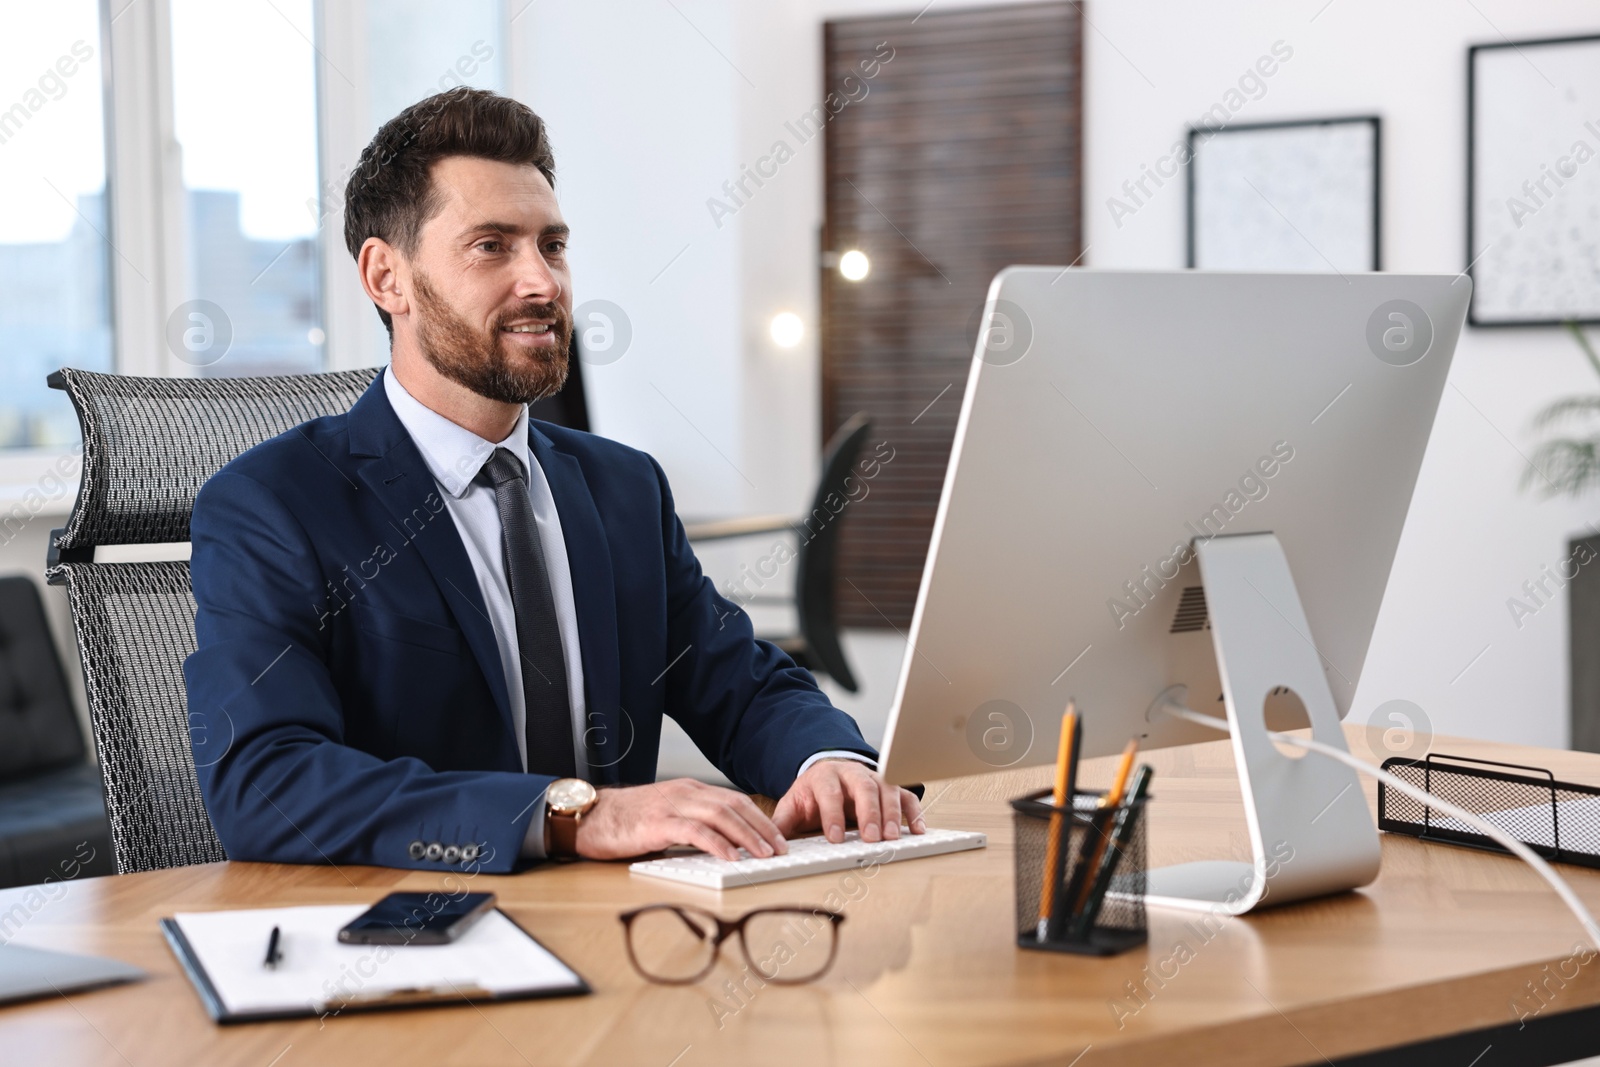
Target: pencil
{"type": "Point", "coordinates": [1119, 784]}
{"type": "Point", "coordinates": [1066, 773]}
{"type": "Point", "coordinates": [1083, 877]}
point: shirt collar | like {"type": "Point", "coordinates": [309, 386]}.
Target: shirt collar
{"type": "Point", "coordinates": [454, 454]}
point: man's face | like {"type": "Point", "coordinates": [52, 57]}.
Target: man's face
{"type": "Point", "coordinates": [490, 287]}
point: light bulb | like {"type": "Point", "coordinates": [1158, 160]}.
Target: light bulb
{"type": "Point", "coordinates": [787, 329]}
{"type": "Point", "coordinates": [854, 265]}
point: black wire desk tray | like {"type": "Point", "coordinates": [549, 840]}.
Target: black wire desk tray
{"type": "Point", "coordinates": [1558, 820]}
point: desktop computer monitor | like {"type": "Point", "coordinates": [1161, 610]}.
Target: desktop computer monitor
{"type": "Point", "coordinates": [1132, 445]}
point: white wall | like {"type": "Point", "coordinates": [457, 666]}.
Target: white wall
{"type": "Point", "coordinates": [647, 126]}
{"type": "Point", "coordinates": [643, 117]}
{"type": "Point", "coordinates": [1472, 538]}
{"type": "Point", "coordinates": [652, 110]}
{"type": "Point", "coordinates": [648, 132]}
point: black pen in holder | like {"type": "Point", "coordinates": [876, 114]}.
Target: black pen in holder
{"type": "Point", "coordinates": [1099, 909]}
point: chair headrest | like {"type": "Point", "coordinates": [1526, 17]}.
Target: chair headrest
{"type": "Point", "coordinates": [149, 444]}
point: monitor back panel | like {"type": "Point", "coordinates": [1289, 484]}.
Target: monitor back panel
{"type": "Point", "coordinates": [1109, 419]}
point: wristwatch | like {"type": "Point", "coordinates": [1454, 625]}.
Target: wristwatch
{"type": "Point", "coordinates": [566, 801]}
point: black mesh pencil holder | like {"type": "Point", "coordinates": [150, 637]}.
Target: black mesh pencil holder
{"type": "Point", "coordinates": [1098, 894]}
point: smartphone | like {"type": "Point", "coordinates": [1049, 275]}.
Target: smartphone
{"type": "Point", "coordinates": [417, 919]}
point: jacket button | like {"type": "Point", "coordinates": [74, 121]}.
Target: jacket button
{"type": "Point", "coordinates": [416, 850]}
{"type": "Point", "coordinates": [435, 850]}
{"type": "Point", "coordinates": [469, 851]}
{"type": "Point", "coordinates": [451, 853]}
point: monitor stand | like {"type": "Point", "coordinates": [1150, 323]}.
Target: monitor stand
{"type": "Point", "coordinates": [1311, 832]}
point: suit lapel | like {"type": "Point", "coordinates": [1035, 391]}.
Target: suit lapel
{"type": "Point", "coordinates": [389, 464]}
{"type": "Point", "coordinates": [610, 732]}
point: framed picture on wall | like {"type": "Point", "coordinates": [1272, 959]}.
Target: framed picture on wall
{"type": "Point", "coordinates": [1533, 181]}
{"type": "Point", "coordinates": [1286, 196]}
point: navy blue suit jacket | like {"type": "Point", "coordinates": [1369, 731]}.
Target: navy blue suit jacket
{"type": "Point", "coordinates": [347, 698]}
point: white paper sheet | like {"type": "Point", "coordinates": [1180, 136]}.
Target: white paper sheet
{"type": "Point", "coordinates": [1534, 824]}
{"type": "Point", "coordinates": [317, 973]}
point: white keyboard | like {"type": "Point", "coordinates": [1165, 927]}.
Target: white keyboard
{"type": "Point", "coordinates": [806, 856]}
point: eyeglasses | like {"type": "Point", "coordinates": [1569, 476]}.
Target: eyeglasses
{"type": "Point", "coordinates": [677, 944]}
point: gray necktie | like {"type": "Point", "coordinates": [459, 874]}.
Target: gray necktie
{"type": "Point", "coordinates": [548, 719]}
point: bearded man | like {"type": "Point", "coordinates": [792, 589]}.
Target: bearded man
{"type": "Point", "coordinates": [443, 635]}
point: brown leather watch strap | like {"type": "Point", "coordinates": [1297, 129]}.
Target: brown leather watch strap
{"type": "Point", "coordinates": [561, 835]}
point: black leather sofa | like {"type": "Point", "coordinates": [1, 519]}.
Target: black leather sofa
{"type": "Point", "coordinates": [52, 812]}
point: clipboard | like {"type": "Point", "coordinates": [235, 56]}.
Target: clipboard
{"type": "Point", "coordinates": [222, 953]}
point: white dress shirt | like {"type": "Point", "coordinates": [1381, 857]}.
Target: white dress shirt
{"type": "Point", "coordinates": [454, 456]}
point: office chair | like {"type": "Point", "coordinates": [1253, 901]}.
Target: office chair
{"type": "Point", "coordinates": [816, 647]}
{"type": "Point", "coordinates": [149, 444]}
{"type": "Point", "coordinates": [570, 406]}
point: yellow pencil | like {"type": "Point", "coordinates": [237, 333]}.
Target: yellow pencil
{"type": "Point", "coordinates": [1119, 784]}
{"type": "Point", "coordinates": [1066, 764]}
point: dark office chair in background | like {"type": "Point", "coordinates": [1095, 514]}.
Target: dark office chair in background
{"type": "Point", "coordinates": [149, 444]}
{"type": "Point", "coordinates": [816, 646]}
{"type": "Point", "coordinates": [570, 407]}
{"type": "Point", "coordinates": [52, 817]}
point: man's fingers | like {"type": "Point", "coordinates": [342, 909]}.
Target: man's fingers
{"type": "Point", "coordinates": [786, 816]}
{"type": "Point", "coordinates": [913, 811]}
{"type": "Point", "coordinates": [890, 798]}
{"type": "Point", "coordinates": [729, 821]}
{"type": "Point", "coordinates": [869, 812]}
{"type": "Point", "coordinates": [767, 835]}
{"type": "Point", "coordinates": [764, 826]}
{"type": "Point", "coordinates": [733, 815]}
{"type": "Point", "coordinates": [830, 807]}
{"type": "Point", "coordinates": [693, 832]}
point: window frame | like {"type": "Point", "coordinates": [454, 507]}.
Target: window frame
{"type": "Point", "coordinates": [148, 243]}
{"type": "Point", "coordinates": [354, 331]}
{"type": "Point", "coordinates": [24, 470]}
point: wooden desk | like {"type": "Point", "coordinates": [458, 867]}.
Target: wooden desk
{"type": "Point", "coordinates": [1442, 943]}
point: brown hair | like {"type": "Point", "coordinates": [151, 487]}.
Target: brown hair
{"type": "Point", "coordinates": [391, 194]}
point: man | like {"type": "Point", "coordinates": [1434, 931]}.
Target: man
{"type": "Point", "coordinates": [428, 628]}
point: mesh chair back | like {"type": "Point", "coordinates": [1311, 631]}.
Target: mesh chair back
{"type": "Point", "coordinates": [149, 444]}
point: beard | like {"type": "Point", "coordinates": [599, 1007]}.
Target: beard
{"type": "Point", "coordinates": [478, 359]}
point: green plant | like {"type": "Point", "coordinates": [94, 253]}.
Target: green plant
{"type": "Point", "coordinates": [1569, 465]}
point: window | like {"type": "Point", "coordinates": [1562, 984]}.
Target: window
{"type": "Point", "coordinates": [56, 309]}
{"type": "Point", "coordinates": [418, 47]}
{"type": "Point", "coordinates": [244, 105]}
{"type": "Point", "coordinates": [218, 241]}
{"type": "Point", "coordinates": [413, 49]}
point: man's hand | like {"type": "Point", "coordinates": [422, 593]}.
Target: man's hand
{"type": "Point", "coordinates": [830, 788]}
{"type": "Point", "coordinates": [634, 820]}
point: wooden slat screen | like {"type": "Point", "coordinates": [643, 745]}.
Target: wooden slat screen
{"type": "Point", "coordinates": [964, 156]}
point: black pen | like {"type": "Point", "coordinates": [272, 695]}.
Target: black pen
{"type": "Point", "coordinates": [273, 955]}
{"type": "Point", "coordinates": [1121, 834]}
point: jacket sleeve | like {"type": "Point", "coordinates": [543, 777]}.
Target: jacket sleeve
{"type": "Point", "coordinates": [746, 704]}
{"type": "Point", "coordinates": [267, 729]}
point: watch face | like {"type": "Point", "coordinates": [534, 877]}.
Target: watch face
{"type": "Point", "coordinates": [567, 795]}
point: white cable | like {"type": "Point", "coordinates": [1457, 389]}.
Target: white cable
{"type": "Point", "coordinates": [1422, 796]}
